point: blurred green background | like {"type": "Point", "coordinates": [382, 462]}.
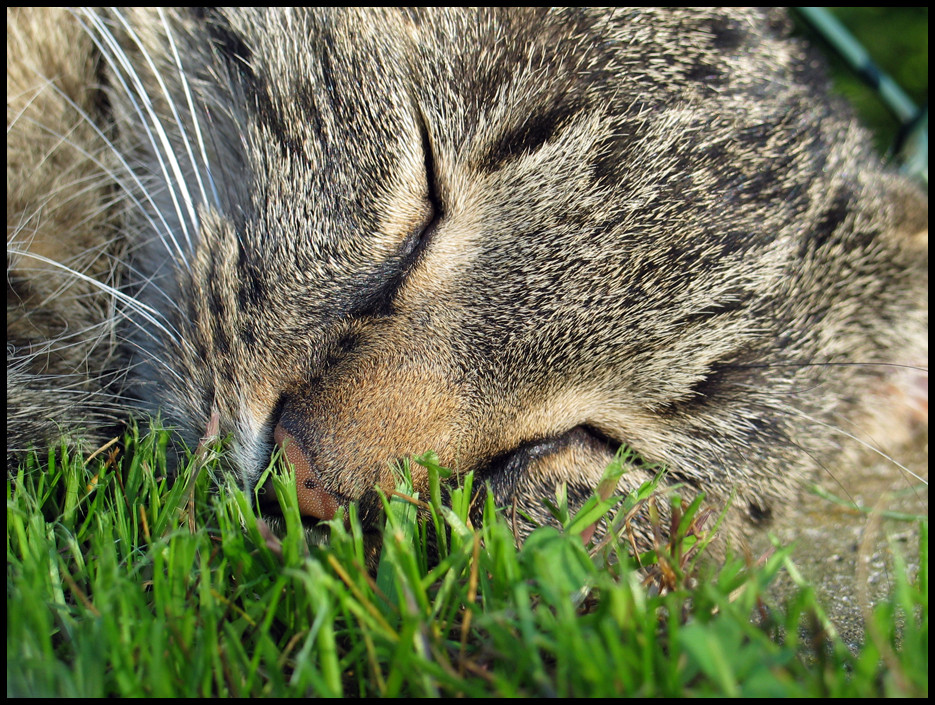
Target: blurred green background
{"type": "Point", "coordinates": [897, 40]}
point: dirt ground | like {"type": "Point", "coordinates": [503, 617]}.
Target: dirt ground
{"type": "Point", "coordinates": [847, 554]}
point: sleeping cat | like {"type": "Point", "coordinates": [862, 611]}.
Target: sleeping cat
{"type": "Point", "coordinates": [517, 237]}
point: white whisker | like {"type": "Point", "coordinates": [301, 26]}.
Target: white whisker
{"type": "Point", "coordinates": [150, 314]}
{"type": "Point", "coordinates": [168, 150]}
{"type": "Point", "coordinates": [162, 148]}
{"type": "Point", "coordinates": [871, 447]}
{"type": "Point", "coordinates": [131, 194]}
{"type": "Point", "coordinates": [183, 80]}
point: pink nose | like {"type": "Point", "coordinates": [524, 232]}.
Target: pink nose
{"type": "Point", "coordinates": [313, 500]}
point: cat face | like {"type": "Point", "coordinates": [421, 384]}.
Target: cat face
{"type": "Point", "coordinates": [517, 238]}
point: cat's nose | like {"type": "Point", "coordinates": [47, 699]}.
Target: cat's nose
{"type": "Point", "coordinates": [314, 500]}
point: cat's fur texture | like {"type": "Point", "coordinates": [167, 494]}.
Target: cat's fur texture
{"type": "Point", "coordinates": [516, 237]}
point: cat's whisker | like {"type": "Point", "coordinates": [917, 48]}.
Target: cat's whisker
{"type": "Point", "coordinates": [149, 121]}
{"type": "Point", "coordinates": [177, 183]}
{"type": "Point", "coordinates": [147, 312]}
{"type": "Point", "coordinates": [870, 446]}
{"type": "Point", "coordinates": [165, 230]}
{"type": "Point", "coordinates": [918, 368]}
{"type": "Point", "coordinates": [180, 181]}
{"type": "Point", "coordinates": [183, 81]}
{"type": "Point", "coordinates": [132, 302]}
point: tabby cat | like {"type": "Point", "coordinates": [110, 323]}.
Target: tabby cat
{"type": "Point", "coordinates": [517, 237]}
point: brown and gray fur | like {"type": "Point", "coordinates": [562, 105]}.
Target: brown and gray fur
{"type": "Point", "coordinates": [516, 237]}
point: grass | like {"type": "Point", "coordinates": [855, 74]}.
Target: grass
{"type": "Point", "coordinates": [124, 582]}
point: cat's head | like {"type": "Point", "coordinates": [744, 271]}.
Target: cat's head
{"type": "Point", "coordinates": [518, 238]}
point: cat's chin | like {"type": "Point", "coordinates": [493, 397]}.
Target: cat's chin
{"type": "Point", "coordinates": [272, 528]}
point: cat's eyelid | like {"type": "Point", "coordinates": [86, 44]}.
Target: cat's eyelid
{"type": "Point", "coordinates": [416, 237]}
{"type": "Point", "coordinates": [419, 237]}
{"type": "Point", "coordinates": [431, 177]}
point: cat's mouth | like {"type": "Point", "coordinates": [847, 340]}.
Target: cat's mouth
{"type": "Point", "coordinates": [315, 525]}
{"type": "Point", "coordinates": [317, 532]}
{"type": "Point", "coordinates": [504, 471]}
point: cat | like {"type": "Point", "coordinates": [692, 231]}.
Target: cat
{"type": "Point", "coordinates": [517, 237]}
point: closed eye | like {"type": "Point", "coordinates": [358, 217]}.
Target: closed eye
{"type": "Point", "coordinates": [387, 281]}
{"type": "Point", "coordinates": [418, 237]}
{"type": "Point", "coordinates": [416, 242]}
